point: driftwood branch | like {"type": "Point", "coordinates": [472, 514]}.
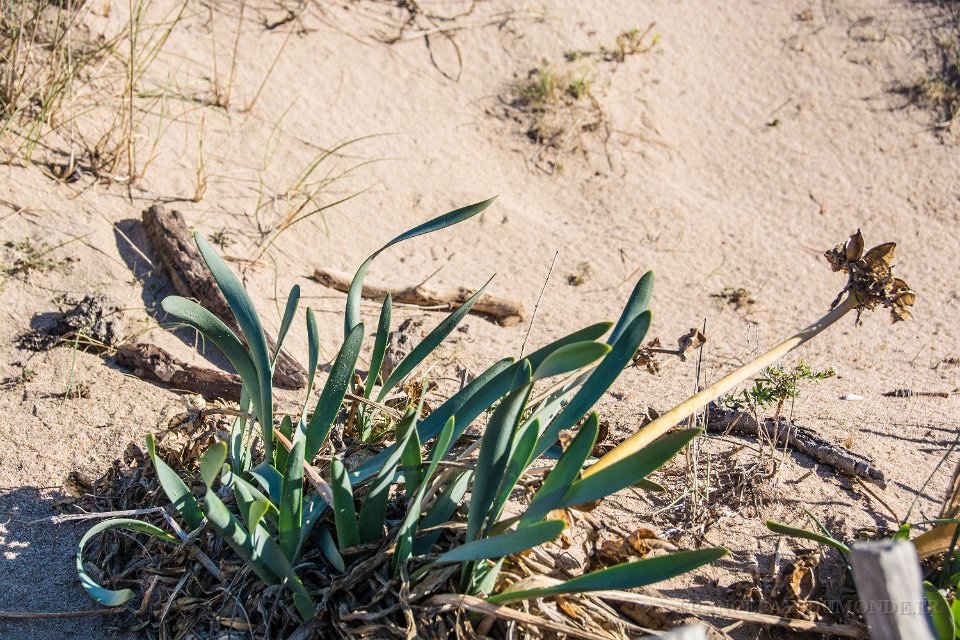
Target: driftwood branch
{"type": "Point", "coordinates": [150, 362]}
{"type": "Point", "coordinates": [888, 579]}
{"type": "Point", "coordinates": [799, 439]}
{"type": "Point", "coordinates": [506, 312]}
{"type": "Point", "coordinates": [176, 251]}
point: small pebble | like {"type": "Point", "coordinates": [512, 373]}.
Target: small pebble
{"type": "Point", "coordinates": [852, 396]}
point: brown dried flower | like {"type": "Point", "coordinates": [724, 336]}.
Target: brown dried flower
{"type": "Point", "coordinates": [870, 277]}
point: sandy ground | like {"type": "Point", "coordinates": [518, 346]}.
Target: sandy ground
{"type": "Point", "coordinates": [751, 138]}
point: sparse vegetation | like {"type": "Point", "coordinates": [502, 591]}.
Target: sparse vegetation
{"type": "Point", "coordinates": [275, 523]}
{"type": "Point", "coordinates": [941, 91]}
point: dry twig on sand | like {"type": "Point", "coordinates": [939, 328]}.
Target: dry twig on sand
{"type": "Point", "coordinates": [174, 246]}
{"type": "Point", "coordinates": [507, 312]}
{"type": "Point", "coordinates": [150, 362]}
{"type": "Point", "coordinates": [799, 439]}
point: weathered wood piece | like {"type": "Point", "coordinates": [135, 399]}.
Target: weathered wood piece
{"type": "Point", "coordinates": [150, 362]}
{"type": "Point", "coordinates": [507, 312]}
{"type": "Point", "coordinates": [888, 579]}
{"type": "Point", "coordinates": [799, 439]}
{"type": "Point", "coordinates": [176, 251]}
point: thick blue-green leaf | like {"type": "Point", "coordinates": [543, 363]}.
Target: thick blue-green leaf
{"type": "Point", "coordinates": [177, 492]}
{"type": "Point", "coordinates": [411, 460]}
{"type": "Point", "coordinates": [405, 535]}
{"type": "Point", "coordinates": [314, 507]}
{"type": "Point", "coordinates": [313, 357]}
{"type": "Point", "coordinates": [430, 426]}
{"type": "Point", "coordinates": [270, 479]}
{"type": "Point", "coordinates": [352, 315]}
{"type": "Point", "coordinates": [941, 616]}
{"type": "Point", "coordinates": [797, 532]}
{"type": "Point", "coordinates": [505, 544]}
{"type": "Point", "coordinates": [441, 511]}
{"type": "Point", "coordinates": [237, 537]}
{"type": "Point", "coordinates": [379, 345]}
{"type": "Point", "coordinates": [291, 503]}
{"type": "Point", "coordinates": [328, 547]}
{"type": "Point", "coordinates": [485, 577]}
{"type": "Point", "coordinates": [628, 575]}
{"type": "Point", "coordinates": [260, 552]}
{"type": "Point", "coordinates": [214, 330]}
{"type": "Point", "coordinates": [628, 471]}
{"type": "Point", "coordinates": [98, 593]}
{"type": "Point", "coordinates": [496, 446]}
{"type": "Point", "coordinates": [637, 303]}
{"type": "Point", "coordinates": [519, 460]}
{"type": "Point", "coordinates": [239, 443]}
{"type": "Point", "coordinates": [568, 467]}
{"type": "Point", "coordinates": [212, 462]}
{"type": "Point", "coordinates": [249, 323]}
{"type": "Point", "coordinates": [599, 381]}
{"type": "Point", "coordinates": [328, 406]}
{"type": "Point", "coordinates": [429, 343]}
{"type": "Point", "coordinates": [344, 511]}
{"type": "Point", "coordinates": [569, 358]}
{"type": "Point", "coordinates": [373, 511]}
{"type": "Point", "coordinates": [286, 428]}
{"type": "Point", "coordinates": [258, 509]}
{"type": "Point", "coordinates": [288, 314]}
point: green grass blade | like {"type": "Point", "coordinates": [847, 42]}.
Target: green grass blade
{"type": "Point", "coordinates": [496, 446]}
{"type": "Point", "coordinates": [379, 345]}
{"type": "Point", "coordinates": [441, 511]}
{"type": "Point", "coordinates": [249, 323]}
{"type": "Point", "coordinates": [177, 492]}
{"type": "Point", "coordinates": [628, 575]}
{"type": "Point", "coordinates": [569, 358]}
{"type": "Point", "coordinates": [328, 406]}
{"type": "Point", "coordinates": [373, 511]}
{"type": "Point", "coordinates": [797, 532]}
{"type": "Point", "coordinates": [504, 544]}
{"type": "Point", "coordinates": [599, 381]}
{"type": "Point", "coordinates": [288, 315]}
{"type": "Point", "coordinates": [291, 503]}
{"type": "Point", "coordinates": [106, 596]}
{"type": "Point", "coordinates": [568, 467]}
{"type": "Point", "coordinates": [352, 315]}
{"type": "Point", "coordinates": [628, 471]}
{"type": "Point", "coordinates": [344, 511]}
{"type": "Point", "coordinates": [637, 303]}
{"type": "Point", "coordinates": [212, 462]}
{"type": "Point", "coordinates": [429, 343]}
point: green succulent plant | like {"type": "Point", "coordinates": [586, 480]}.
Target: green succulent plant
{"type": "Point", "coordinates": [275, 516]}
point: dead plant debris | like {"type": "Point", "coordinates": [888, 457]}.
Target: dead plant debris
{"type": "Point", "coordinates": [87, 324]}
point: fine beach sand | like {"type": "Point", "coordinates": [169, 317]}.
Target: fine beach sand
{"type": "Point", "coordinates": [751, 138]}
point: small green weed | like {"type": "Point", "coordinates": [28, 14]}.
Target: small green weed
{"type": "Point", "coordinates": [775, 386]}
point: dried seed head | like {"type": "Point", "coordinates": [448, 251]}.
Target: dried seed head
{"type": "Point", "coordinates": [870, 277]}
